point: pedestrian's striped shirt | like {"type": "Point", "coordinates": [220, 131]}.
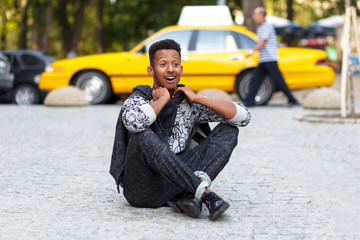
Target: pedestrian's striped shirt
{"type": "Point", "coordinates": [268, 53]}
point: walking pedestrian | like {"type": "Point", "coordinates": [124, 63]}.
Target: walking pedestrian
{"type": "Point", "coordinates": [268, 60]}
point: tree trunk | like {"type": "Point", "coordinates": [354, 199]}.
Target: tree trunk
{"type": "Point", "coordinates": [3, 31]}
{"type": "Point", "coordinates": [78, 25]}
{"type": "Point", "coordinates": [36, 28]}
{"type": "Point", "coordinates": [290, 10]}
{"type": "Point", "coordinates": [100, 26]}
{"type": "Point", "coordinates": [41, 25]}
{"type": "Point", "coordinates": [24, 28]}
{"type": "Point", "coordinates": [45, 35]}
{"type": "Point", "coordinates": [65, 26]}
{"type": "Point", "coordinates": [248, 8]}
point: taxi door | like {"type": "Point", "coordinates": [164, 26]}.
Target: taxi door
{"type": "Point", "coordinates": [214, 60]}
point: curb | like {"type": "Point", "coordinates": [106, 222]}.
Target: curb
{"type": "Point", "coordinates": [329, 118]}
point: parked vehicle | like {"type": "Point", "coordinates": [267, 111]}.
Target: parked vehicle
{"type": "Point", "coordinates": [212, 57]}
{"type": "Point", "coordinates": [6, 78]}
{"type": "Point", "coordinates": [27, 65]}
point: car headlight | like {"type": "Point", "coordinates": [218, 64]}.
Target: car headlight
{"type": "Point", "coordinates": [50, 68]}
{"type": "Point", "coordinates": [2, 67]}
{"type": "Point", "coordinates": [37, 79]}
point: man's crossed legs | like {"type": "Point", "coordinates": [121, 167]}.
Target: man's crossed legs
{"type": "Point", "coordinates": [155, 176]}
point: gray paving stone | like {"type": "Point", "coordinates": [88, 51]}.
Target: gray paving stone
{"type": "Point", "coordinates": [285, 180]}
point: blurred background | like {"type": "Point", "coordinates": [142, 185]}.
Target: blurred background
{"type": "Point", "coordinates": [35, 33]}
{"type": "Point", "coordinates": [62, 27]}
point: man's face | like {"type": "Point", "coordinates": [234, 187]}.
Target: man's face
{"type": "Point", "coordinates": [167, 69]}
{"type": "Point", "coordinates": [258, 17]}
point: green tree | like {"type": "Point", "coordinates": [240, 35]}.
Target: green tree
{"type": "Point", "coordinates": [41, 13]}
{"type": "Point", "coordinates": [100, 25]}
{"type": "Point", "coordinates": [5, 14]}
{"type": "Point", "coordinates": [290, 10]}
{"type": "Point", "coordinates": [248, 8]}
{"type": "Point", "coordinates": [22, 43]}
{"type": "Point", "coordinates": [70, 17]}
{"type": "Point", "coordinates": [129, 21]}
{"type": "Point", "coordinates": [91, 26]}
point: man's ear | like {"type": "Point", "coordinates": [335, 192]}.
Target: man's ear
{"type": "Point", "coordinates": [150, 71]}
{"type": "Point", "coordinates": [181, 73]}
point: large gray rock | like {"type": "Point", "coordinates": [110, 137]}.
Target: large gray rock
{"type": "Point", "coordinates": [66, 96]}
{"type": "Point", "coordinates": [323, 98]}
{"type": "Point", "coordinates": [215, 94]}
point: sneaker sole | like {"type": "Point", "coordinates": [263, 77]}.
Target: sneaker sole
{"type": "Point", "coordinates": [219, 212]}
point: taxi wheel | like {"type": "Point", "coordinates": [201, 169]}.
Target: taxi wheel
{"type": "Point", "coordinates": [264, 94]}
{"type": "Point", "coordinates": [25, 94]}
{"type": "Point", "coordinates": [95, 85]}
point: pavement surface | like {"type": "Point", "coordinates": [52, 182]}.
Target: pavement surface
{"type": "Point", "coordinates": [302, 94]}
{"type": "Point", "coordinates": [285, 180]}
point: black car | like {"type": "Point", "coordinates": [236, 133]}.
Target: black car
{"type": "Point", "coordinates": [6, 79]}
{"type": "Point", "coordinates": [26, 65]}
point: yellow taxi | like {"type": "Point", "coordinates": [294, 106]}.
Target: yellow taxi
{"type": "Point", "coordinates": [212, 57]}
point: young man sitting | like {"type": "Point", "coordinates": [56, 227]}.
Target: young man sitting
{"type": "Point", "coordinates": [154, 157]}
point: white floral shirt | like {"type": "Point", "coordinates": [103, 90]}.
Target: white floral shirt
{"type": "Point", "coordinates": [138, 115]}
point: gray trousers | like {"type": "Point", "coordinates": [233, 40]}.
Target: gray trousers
{"type": "Point", "coordinates": [153, 173]}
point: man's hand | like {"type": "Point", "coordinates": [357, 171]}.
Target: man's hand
{"type": "Point", "coordinates": [160, 97]}
{"type": "Point", "coordinates": [160, 92]}
{"type": "Point", "coordinates": [251, 52]}
{"type": "Point", "coordinates": [258, 46]}
{"type": "Point", "coordinates": [190, 95]}
{"type": "Point", "coordinates": [224, 108]}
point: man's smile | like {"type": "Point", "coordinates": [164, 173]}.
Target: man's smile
{"type": "Point", "coordinates": [170, 79]}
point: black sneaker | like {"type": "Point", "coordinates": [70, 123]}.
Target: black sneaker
{"type": "Point", "coordinates": [187, 205]}
{"type": "Point", "coordinates": [215, 204]}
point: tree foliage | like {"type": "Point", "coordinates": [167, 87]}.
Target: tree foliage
{"type": "Point", "coordinates": [129, 21]}
{"type": "Point", "coordinates": [305, 12]}
{"type": "Point", "coordinates": [90, 26]}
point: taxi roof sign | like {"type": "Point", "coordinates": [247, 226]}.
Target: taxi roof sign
{"type": "Point", "coordinates": [205, 15]}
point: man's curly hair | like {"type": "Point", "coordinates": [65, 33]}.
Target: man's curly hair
{"type": "Point", "coordinates": [163, 44]}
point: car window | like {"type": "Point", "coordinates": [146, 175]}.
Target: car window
{"type": "Point", "coordinates": [181, 37]}
{"type": "Point", "coordinates": [215, 40]}
{"type": "Point", "coordinates": [49, 58]}
{"type": "Point", "coordinates": [8, 55]}
{"type": "Point", "coordinates": [15, 62]}
{"type": "Point", "coordinates": [30, 60]}
{"type": "Point", "coordinates": [244, 42]}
